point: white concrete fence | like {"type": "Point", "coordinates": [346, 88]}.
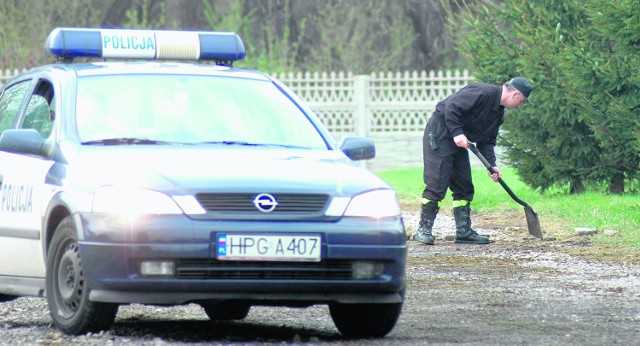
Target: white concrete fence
{"type": "Point", "coordinates": [391, 107]}
{"type": "Point", "coordinates": [6, 74]}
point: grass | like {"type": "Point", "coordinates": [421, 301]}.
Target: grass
{"type": "Point", "coordinates": [559, 212]}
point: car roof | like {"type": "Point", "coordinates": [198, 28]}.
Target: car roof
{"type": "Point", "coordinates": [103, 68]}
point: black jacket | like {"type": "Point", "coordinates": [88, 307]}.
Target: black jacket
{"type": "Point", "coordinates": [474, 111]}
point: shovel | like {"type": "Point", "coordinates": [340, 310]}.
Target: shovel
{"type": "Point", "coordinates": [533, 224]}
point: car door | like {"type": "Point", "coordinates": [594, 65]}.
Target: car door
{"type": "Point", "coordinates": [23, 192]}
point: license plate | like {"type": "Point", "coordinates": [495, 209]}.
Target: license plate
{"type": "Point", "coordinates": [252, 247]}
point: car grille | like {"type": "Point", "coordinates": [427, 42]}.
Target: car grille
{"type": "Point", "coordinates": [238, 270]}
{"type": "Point", "coordinates": [243, 203]}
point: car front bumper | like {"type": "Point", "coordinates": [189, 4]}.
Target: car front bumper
{"type": "Point", "coordinates": [112, 248]}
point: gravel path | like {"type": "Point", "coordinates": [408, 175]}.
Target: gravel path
{"type": "Point", "coordinates": [516, 290]}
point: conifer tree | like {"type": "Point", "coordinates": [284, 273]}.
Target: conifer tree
{"type": "Point", "coordinates": [560, 140]}
{"type": "Point", "coordinates": [603, 70]}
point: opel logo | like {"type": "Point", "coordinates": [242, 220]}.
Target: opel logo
{"type": "Point", "coordinates": [265, 202]}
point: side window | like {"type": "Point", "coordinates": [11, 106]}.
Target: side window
{"type": "Point", "coordinates": [10, 104]}
{"type": "Point", "coordinates": [39, 115]}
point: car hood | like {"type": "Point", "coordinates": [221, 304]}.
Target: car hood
{"type": "Point", "coordinates": [198, 169]}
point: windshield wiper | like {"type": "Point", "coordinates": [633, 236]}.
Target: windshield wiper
{"type": "Point", "coordinates": [254, 144]}
{"type": "Point", "coordinates": [232, 143]}
{"type": "Point", "coordinates": [124, 141]}
{"type": "Point", "coordinates": [285, 146]}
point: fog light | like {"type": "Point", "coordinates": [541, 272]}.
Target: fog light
{"type": "Point", "coordinates": [366, 270]}
{"type": "Point", "coordinates": [156, 268]}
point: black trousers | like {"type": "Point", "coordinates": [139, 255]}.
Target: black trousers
{"type": "Point", "coordinates": [445, 164]}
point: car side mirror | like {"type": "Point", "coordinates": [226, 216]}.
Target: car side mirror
{"type": "Point", "coordinates": [358, 148]}
{"type": "Point", "coordinates": [24, 141]}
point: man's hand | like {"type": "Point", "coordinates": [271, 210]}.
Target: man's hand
{"type": "Point", "coordinates": [497, 175]}
{"type": "Point", "coordinates": [461, 141]}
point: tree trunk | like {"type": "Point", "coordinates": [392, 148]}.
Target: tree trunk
{"type": "Point", "coordinates": [115, 12]}
{"type": "Point", "coordinates": [616, 184]}
{"type": "Point", "coordinates": [576, 187]}
{"type": "Point", "coordinates": [184, 14]}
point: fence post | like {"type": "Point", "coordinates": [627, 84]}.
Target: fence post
{"type": "Point", "coordinates": [361, 95]}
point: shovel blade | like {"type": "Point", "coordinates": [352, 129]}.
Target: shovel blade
{"type": "Point", "coordinates": [533, 223]}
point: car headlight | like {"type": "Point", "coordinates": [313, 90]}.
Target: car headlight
{"type": "Point", "coordinates": [125, 200]}
{"type": "Point", "coordinates": [374, 204]}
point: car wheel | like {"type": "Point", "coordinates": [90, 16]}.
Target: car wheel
{"type": "Point", "coordinates": [365, 320]}
{"type": "Point", "coordinates": [226, 311]}
{"type": "Point", "coordinates": [7, 298]}
{"type": "Point", "coordinates": [67, 291]}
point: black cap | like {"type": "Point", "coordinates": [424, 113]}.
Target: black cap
{"type": "Point", "coordinates": [523, 86]}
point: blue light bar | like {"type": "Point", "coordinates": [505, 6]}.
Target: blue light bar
{"type": "Point", "coordinates": [144, 44]}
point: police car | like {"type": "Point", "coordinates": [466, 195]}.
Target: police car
{"type": "Point", "coordinates": [150, 171]}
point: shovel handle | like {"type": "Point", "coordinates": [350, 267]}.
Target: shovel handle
{"type": "Point", "coordinates": [486, 163]}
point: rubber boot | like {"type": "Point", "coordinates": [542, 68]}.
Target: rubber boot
{"type": "Point", "coordinates": [427, 217]}
{"type": "Point", "coordinates": [464, 233]}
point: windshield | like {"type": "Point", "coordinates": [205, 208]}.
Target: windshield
{"type": "Point", "coordinates": [146, 109]}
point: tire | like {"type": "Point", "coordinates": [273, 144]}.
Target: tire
{"type": "Point", "coordinates": [226, 311]}
{"type": "Point", "coordinates": [66, 289]}
{"type": "Point", "coordinates": [365, 320]}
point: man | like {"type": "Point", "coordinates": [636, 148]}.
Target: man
{"type": "Point", "coordinates": [472, 114]}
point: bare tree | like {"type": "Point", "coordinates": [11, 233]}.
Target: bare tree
{"type": "Point", "coordinates": [350, 35]}
{"type": "Point", "coordinates": [27, 23]}
{"type": "Point", "coordinates": [185, 14]}
{"type": "Point", "coordinates": [114, 12]}
{"type": "Point", "coordinates": [428, 20]}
